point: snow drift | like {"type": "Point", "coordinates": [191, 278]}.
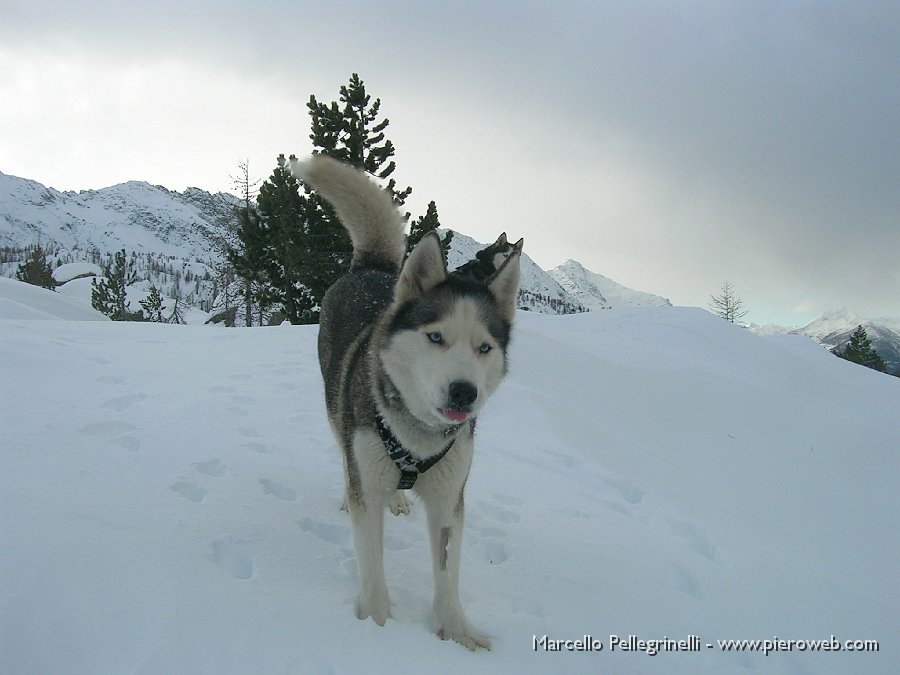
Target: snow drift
{"type": "Point", "coordinates": [169, 503]}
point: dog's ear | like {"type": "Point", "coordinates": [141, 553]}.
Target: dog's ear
{"type": "Point", "coordinates": [423, 270]}
{"type": "Point", "coordinates": [501, 240]}
{"type": "Point", "coordinates": [504, 285]}
{"type": "Point", "coordinates": [519, 244]}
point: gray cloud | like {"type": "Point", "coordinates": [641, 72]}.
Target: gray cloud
{"type": "Point", "coordinates": [667, 145]}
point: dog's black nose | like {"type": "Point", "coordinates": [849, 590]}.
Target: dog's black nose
{"type": "Point", "coordinates": [462, 394]}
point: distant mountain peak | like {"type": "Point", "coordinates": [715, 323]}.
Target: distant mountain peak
{"type": "Point", "coordinates": [833, 330]}
{"type": "Point", "coordinates": [596, 291]}
{"type": "Point", "coordinates": [135, 215]}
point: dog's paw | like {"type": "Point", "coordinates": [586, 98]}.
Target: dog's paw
{"type": "Point", "coordinates": [378, 608]}
{"type": "Point", "coordinates": [462, 632]}
{"type": "Point", "coordinates": [398, 504]}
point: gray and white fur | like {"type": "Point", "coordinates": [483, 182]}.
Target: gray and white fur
{"type": "Point", "coordinates": [424, 350]}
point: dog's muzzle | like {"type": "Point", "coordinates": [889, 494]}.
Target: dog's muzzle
{"type": "Point", "coordinates": [461, 395]}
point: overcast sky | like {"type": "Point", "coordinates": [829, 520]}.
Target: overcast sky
{"type": "Point", "coordinates": [667, 145]}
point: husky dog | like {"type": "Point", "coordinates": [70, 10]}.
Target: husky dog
{"type": "Point", "coordinates": [489, 259]}
{"type": "Point", "coordinates": [409, 355]}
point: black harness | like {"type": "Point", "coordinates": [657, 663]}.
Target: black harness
{"type": "Point", "coordinates": [409, 468]}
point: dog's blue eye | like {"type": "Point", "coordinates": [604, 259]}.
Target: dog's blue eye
{"type": "Point", "coordinates": [436, 338]}
{"type": "Point", "coordinates": [485, 348]}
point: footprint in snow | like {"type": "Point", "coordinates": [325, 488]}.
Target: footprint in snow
{"type": "Point", "coordinates": [699, 541]}
{"type": "Point", "coordinates": [334, 534]}
{"type": "Point", "coordinates": [190, 491]}
{"type": "Point", "coordinates": [114, 432]}
{"type": "Point", "coordinates": [110, 379]}
{"type": "Point", "coordinates": [685, 581]}
{"type": "Point", "coordinates": [127, 442]}
{"type": "Point", "coordinates": [229, 554]}
{"type": "Point", "coordinates": [628, 491]}
{"type": "Point", "coordinates": [277, 490]}
{"type": "Point", "coordinates": [120, 403]}
{"type": "Point", "coordinates": [109, 430]}
{"type": "Point", "coordinates": [499, 513]}
{"type": "Point", "coordinates": [213, 467]}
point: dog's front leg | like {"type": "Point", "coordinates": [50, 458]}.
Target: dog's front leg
{"type": "Point", "coordinates": [445, 529]}
{"type": "Point", "coordinates": [368, 540]}
{"type": "Point", "coordinates": [366, 500]}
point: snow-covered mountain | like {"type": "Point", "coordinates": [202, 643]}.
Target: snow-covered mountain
{"type": "Point", "coordinates": [834, 328]}
{"type": "Point", "coordinates": [595, 291]}
{"type": "Point", "coordinates": [768, 328]}
{"type": "Point", "coordinates": [538, 290]}
{"type": "Point", "coordinates": [135, 216]}
{"type": "Point", "coordinates": [152, 221]}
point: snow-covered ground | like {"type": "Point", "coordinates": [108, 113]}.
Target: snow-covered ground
{"type": "Point", "coordinates": [24, 301]}
{"type": "Point", "coordinates": [169, 503]}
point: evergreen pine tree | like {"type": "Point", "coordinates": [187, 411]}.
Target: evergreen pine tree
{"type": "Point", "coordinates": [859, 350]}
{"type": "Point", "coordinates": [425, 224]}
{"type": "Point", "coordinates": [283, 245]}
{"type": "Point", "coordinates": [297, 247]}
{"type": "Point", "coordinates": [349, 130]}
{"type": "Point", "coordinates": [352, 133]}
{"type": "Point", "coordinates": [109, 295]}
{"type": "Point", "coordinates": [249, 260]}
{"type": "Point", "coordinates": [36, 270]}
{"type": "Point", "coordinates": [249, 220]}
{"type": "Point", "coordinates": [153, 305]}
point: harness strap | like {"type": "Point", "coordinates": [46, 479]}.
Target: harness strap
{"type": "Point", "coordinates": [409, 468]}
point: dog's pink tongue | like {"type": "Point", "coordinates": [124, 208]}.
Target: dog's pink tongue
{"type": "Point", "coordinates": [454, 415]}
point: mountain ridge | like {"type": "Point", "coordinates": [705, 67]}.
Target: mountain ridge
{"type": "Point", "coordinates": [153, 220]}
{"type": "Point", "coordinates": [833, 329]}
{"type": "Point", "coordinates": [596, 291]}
{"type": "Point", "coordinates": [175, 234]}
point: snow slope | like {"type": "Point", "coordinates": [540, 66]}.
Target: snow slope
{"type": "Point", "coordinates": [19, 300]}
{"type": "Point", "coordinates": [169, 504]}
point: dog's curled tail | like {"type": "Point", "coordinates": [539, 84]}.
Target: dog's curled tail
{"type": "Point", "coordinates": [365, 210]}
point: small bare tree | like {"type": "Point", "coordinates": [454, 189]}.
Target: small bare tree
{"type": "Point", "coordinates": [727, 305]}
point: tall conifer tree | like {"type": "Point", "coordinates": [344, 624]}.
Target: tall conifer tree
{"type": "Point", "coordinates": [110, 295]}
{"type": "Point", "coordinates": [36, 270]}
{"type": "Point", "coordinates": [302, 248]}
{"type": "Point", "coordinates": [425, 224]}
{"type": "Point", "coordinates": [152, 305]}
{"type": "Point", "coordinates": [284, 246]}
{"type": "Point", "coordinates": [859, 350]}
